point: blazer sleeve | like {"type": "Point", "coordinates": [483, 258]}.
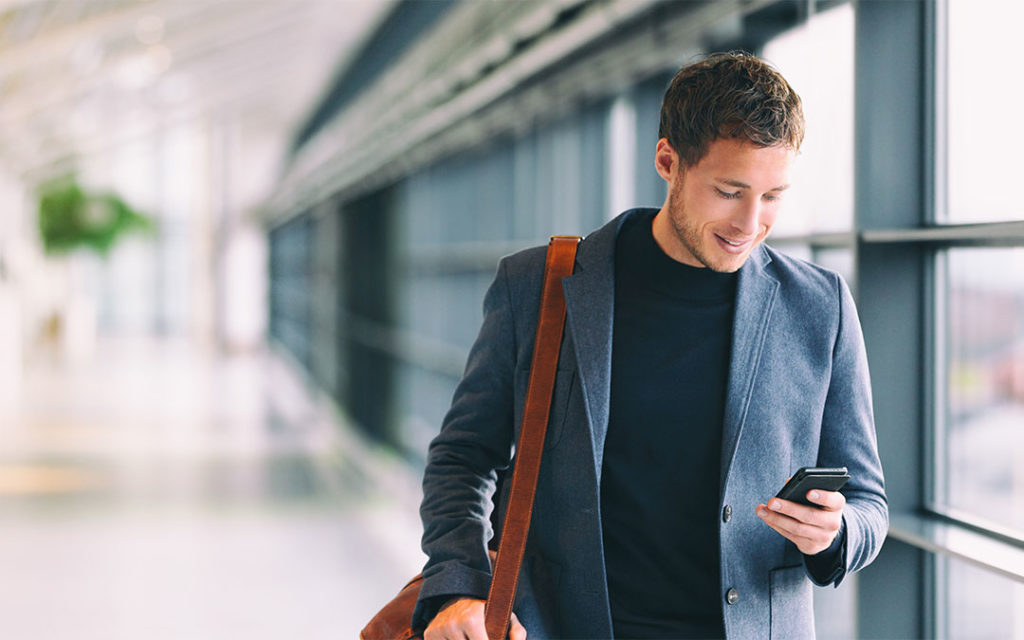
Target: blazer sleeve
{"type": "Point", "coordinates": [848, 439]}
{"type": "Point", "coordinates": [475, 442]}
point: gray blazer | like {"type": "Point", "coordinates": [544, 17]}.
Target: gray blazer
{"type": "Point", "coordinates": [798, 395]}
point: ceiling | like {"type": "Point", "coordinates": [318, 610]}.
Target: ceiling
{"type": "Point", "coordinates": [78, 77]}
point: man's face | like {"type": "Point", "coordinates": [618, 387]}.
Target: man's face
{"type": "Point", "coordinates": [718, 210]}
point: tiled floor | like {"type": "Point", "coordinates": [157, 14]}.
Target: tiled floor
{"type": "Point", "coordinates": [160, 492]}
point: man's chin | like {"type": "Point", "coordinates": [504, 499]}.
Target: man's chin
{"type": "Point", "coordinates": [727, 264]}
{"type": "Point", "coordinates": [723, 261]}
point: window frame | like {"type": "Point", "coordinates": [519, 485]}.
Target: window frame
{"type": "Point", "coordinates": [945, 236]}
{"type": "Point", "coordinates": [900, 255]}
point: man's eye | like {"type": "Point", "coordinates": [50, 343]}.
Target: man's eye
{"type": "Point", "coordinates": [728, 195]}
{"type": "Point", "coordinates": [768, 197]}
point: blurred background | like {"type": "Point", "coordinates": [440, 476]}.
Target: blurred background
{"type": "Point", "coordinates": [244, 245]}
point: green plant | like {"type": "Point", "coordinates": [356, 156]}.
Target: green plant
{"type": "Point", "coordinates": [71, 218]}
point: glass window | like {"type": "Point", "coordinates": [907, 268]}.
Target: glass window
{"type": "Point", "coordinates": [983, 93]}
{"type": "Point", "coordinates": [981, 443]}
{"type": "Point", "coordinates": [838, 259]}
{"type": "Point", "coordinates": [801, 250]}
{"type": "Point", "coordinates": [977, 604]}
{"type": "Point", "coordinates": [817, 59]}
{"type": "Point", "coordinates": [835, 611]}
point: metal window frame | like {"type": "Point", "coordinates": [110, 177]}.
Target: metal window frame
{"type": "Point", "coordinates": [901, 242]}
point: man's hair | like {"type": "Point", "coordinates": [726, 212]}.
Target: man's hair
{"type": "Point", "coordinates": [729, 95]}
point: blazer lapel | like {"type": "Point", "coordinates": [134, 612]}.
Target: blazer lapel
{"type": "Point", "coordinates": [590, 304]}
{"type": "Point", "coordinates": [755, 296]}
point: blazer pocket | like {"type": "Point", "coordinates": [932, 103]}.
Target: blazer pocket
{"type": "Point", "coordinates": [792, 604]}
{"type": "Point", "coordinates": [565, 383]}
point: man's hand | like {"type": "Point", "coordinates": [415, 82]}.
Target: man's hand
{"type": "Point", "coordinates": [463, 619]}
{"type": "Point", "coordinates": [812, 530]}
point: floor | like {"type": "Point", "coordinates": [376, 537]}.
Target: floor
{"type": "Point", "coordinates": [159, 491]}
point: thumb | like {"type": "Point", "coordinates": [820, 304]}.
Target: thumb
{"type": "Point", "coordinates": [516, 631]}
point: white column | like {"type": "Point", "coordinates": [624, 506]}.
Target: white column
{"type": "Point", "coordinates": [621, 156]}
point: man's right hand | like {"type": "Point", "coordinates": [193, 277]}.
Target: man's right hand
{"type": "Point", "coordinates": [463, 619]}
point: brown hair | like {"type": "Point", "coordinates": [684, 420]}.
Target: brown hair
{"type": "Point", "coordinates": [729, 95]}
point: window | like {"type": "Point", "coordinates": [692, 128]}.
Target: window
{"type": "Point", "coordinates": [821, 199]}
{"type": "Point", "coordinates": [975, 604]}
{"type": "Point", "coordinates": [983, 95]}
{"type": "Point", "coordinates": [979, 452]}
{"type": "Point", "coordinates": [981, 457]}
{"type": "Point", "coordinates": [978, 462]}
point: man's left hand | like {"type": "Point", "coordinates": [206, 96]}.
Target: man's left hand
{"type": "Point", "coordinates": [811, 529]}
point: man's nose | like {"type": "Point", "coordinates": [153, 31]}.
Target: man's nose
{"type": "Point", "coordinates": [748, 219]}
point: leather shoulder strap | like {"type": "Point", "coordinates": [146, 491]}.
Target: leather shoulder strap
{"type": "Point", "coordinates": [561, 259]}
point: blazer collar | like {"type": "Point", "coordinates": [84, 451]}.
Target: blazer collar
{"type": "Point", "coordinates": [756, 293]}
{"type": "Point", "coordinates": [590, 307]}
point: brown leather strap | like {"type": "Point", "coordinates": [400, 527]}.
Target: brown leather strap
{"type": "Point", "coordinates": [560, 261]}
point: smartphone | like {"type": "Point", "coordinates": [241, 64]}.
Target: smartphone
{"type": "Point", "coordinates": [807, 478]}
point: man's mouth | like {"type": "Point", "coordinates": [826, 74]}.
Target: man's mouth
{"type": "Point", "coordinates": [733, 246]}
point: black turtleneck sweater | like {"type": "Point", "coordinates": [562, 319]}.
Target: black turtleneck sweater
{"type": "Point", "coordinates": [662, 456]}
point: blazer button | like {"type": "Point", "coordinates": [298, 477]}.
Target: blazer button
{"type": "Point", "coordinates": [727, 513]}
{"type": "Point", "coordinates": [732, 596]}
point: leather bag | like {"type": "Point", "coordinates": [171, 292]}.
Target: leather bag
{"type": "Point", "coordinates": [393, 622]}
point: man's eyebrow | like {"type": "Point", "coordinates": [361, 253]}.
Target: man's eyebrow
{"type": "Point", "coordinates": [744, 185]}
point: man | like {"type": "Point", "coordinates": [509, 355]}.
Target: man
{"type": "Point", "coordinates": [698, 371]}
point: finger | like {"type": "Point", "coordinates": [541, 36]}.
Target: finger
{"type": "Point", "coordinates": [436, 632]}
{"type": "Point", "coordinates": [829, 500]}
{"type": "Point", "coordinates": [473, 629]}
{"type": "Point", "coordinates": [808, 539]}
{"type": "Point", "coordinates": [801, 543]}
{"type": "Point", "coordinates": [800, 512]}
{"type": "Point", "coordinates": [781, 525]}
{"type": "Point", "coordinates": [805, 545]}
{"type": "Point", "coordinates": [785, 524]}
{"type": "Point", "coordinates": [829, 518]}
{"type": "Point", "coordinates": [823, 525]}
{"type": "Point", "coordinates": [516, 631]}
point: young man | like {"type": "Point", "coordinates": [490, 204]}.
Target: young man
{"type": "Point", "coordinates": [698, 371]}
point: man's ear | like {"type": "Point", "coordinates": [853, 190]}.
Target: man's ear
{"type": "Point", "coordinates": [666, 160]}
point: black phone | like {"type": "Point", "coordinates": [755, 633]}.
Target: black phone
{"type": "Point", "coordinates": [807, 478]}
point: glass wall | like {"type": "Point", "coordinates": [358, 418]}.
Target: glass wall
{"type": "Point", "coordinates": [980, 470]}
{"type": "Point", "coordinates": [290, 286]}
{"type": "Point", "coordinates": [821, 198]}
{"type": "Point", "coordinates": [977, 604]}
{"type": "Point", "coordinates": [983, 92]}
{"type": "Point", "coordinates": [456, 219]}
{"type": "Point", "coordinates": [977, 462]}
